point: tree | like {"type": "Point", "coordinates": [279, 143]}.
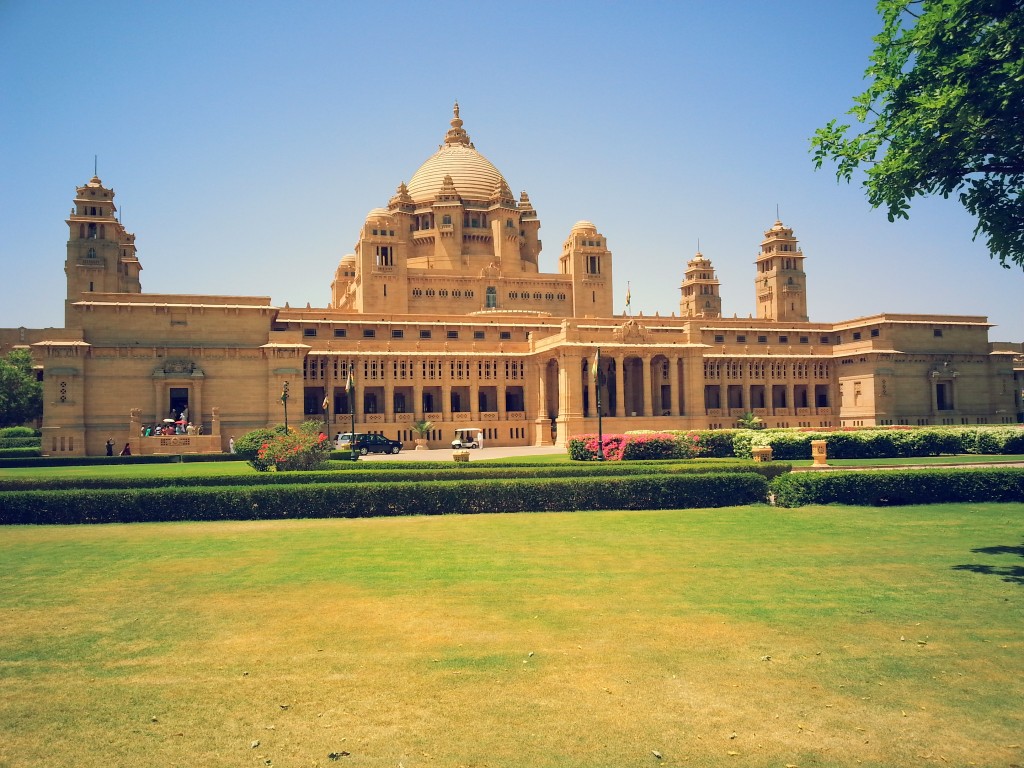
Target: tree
{"type": "Point", "coordinates": [942, 114]}
{"type": "Point", "coordinates": [21, 396]}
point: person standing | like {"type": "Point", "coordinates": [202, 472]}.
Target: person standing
{"type": "Point", "coordinates": [110, 446]}
{"type": "Point", "coordinates": [127, 450]}
{"type": "Point", "coordinates": [231, 444]}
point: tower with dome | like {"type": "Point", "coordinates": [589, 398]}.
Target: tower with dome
{"type": "Point", "coordinates": [455, 240]}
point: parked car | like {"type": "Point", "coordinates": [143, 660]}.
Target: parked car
{"type": "Point", "coordinates": [468, 437]}
{"type": "Point", "coordinates": [368, 443]}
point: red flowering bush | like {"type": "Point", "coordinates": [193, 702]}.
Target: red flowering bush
{"type": "Point", "coordinates": [635, 446]}
{"type": "Point", "coordinates": [304, 448]}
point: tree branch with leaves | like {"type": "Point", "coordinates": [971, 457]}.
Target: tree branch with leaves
{"type": "Point", "coordinates": [942, 114]}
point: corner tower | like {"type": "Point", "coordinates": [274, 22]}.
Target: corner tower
{"type": "Point", "coordinates": [781, 283]}
{"type": "Point", "coordinates": [700, 297]}
{"type": "Point", "coordinates": [101, 254]}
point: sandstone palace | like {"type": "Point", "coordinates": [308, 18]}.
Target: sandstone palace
{"type": "Point", "coordinates": [441, 313]}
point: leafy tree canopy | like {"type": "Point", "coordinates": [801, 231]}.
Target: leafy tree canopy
{"type": "Point", "coordinates": [21, 396]}
{"type": "Point", "coordinates": [943, 113]}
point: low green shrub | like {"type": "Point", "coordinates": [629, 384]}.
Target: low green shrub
{"type": "Point", "coordinates": [85, 461]}
{"type": "Point", "coordinates": [896, 487]}
{"type": "Point", "coordinates": [18, 432]}
{"type": "Point", "coordinates": [374, 499]}
{"type": "Point", "coordinates": [372, 473]}
{"type": "Point", "coordinates": [19, 442]}
{"type": "Point", "coordinates": [16, 453]}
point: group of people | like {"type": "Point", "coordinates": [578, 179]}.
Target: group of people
{"type": "Point", "coordinates": [172, 428]}
{"type": "Point", "coordinates": [126, 451]}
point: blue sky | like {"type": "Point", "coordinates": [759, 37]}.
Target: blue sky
{"type": "Point", "coordinates": [247, 141]}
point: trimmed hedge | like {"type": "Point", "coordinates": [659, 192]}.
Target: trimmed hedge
{"type": "Point", "coordinates": [371, 474]}
{"type": "Point", "coordinates": [891, 488]}
{"type": "Point", "coordinates": [18, 453]}
{"type": "Point", "coordinates": [19, 442]}
{"type": "Point", "coordinates": [18, 432]}
{"type": "Point", "coordinates": [376, 500]}
{"type": "Point", "coordinates": [35, 460]}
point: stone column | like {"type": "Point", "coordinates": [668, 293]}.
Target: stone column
{"type": "Point", "coordinates": [389, 396]}
{"type": "Point", "coordinates": [620, 386]}
{"type": "Point", "coordinates": [647, 385]}
{"type": "Point", "coordinates": [673, 385]}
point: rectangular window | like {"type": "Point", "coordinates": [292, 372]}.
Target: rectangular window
{"type": "Point", "coordinates": [874, 333]}
{"type": "Point", "coordinates": [741, 338]}
{"type": "Point", "coordinates": [369, 333]}
{"type": "Point", "coordinates": [719, 338]}
{"type": "Point", "coordinates": [823, 340]}
{"type": "Point", "coordinates": [340, 333]}
{"type": "Point", "coordinates": [783, 339]}
{"type": "Point", "coordinates": [505, 335]}
{"type": "Point", "coordinates": [453, 334]}
{"type": "Point", "coordinates": [424, 334]}
{"type": "Point", "coordinates": [805, 340]}
{"type": "Point", "coordinates": [937, 333]}
{"type": "Point", "coordinates": [397, 333]}
{"type": "Point", "coordinates": [856, 335]}
{"type": "Point", "coordinates": [309, 332]}
{"type": "Point", "coordinates": [762, 339]}
{"type": "Point", "coordinates": [478, 335]}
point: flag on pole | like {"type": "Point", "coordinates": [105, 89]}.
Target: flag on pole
{"type": "Point", "coordinates": [595, 367]}
{"type": "Point", "coordinates": [350, 386]}
{"type": "Point", "coordinates": [627, 296]}
{"type": "Point", "coordinates": [326, 403]}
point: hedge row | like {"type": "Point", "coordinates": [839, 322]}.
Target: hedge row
{"type": "Point", "coordinates": [18, 432]}
{"type": "Point", "coordinates": [19, 453]}
{"type": "Point", "coordinates": [92, 461]}
{"type": "Point", "coordinates": [370, 474]}
{"type": "Point", "coordinates": [376, 500]}
{"type": "Point", "coordinates": [890, 488]}
{"type": "Point", "coordinates": [19, 442]}
{"type": "Point", "coordinates": [889, 443]}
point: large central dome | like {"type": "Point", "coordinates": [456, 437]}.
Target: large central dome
{"type": "Point", "coordinates": [472, 173]}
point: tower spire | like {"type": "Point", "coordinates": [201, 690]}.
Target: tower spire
{"type": "Point", "coordinates": [456, 134]}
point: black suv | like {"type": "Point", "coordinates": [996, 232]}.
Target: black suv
{"type": "Point", "coordinates": [375, 444]}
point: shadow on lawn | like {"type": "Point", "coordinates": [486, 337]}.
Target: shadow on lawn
{"type": "Point", "coordinates": [1011, 573]}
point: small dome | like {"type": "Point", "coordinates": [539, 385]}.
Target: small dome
{"type": "Point", "coordinates": [584, 226]}
{"type": "Point", "coordinates": [378, 213]}
{"type": "Point", "coordinates": [348, 258]}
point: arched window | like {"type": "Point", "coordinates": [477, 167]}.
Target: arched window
{"type": "Point", "coordinates": [492, 297]}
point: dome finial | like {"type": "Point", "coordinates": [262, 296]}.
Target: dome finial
{"type": "Point", "coordinates": [456, 135]}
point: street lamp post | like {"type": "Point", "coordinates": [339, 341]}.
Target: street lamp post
{"type": "Point", "coordinates": [350, 389]}
{"type": "Point", "coordinates": [284, 402]}
{"type": "Point", "coordinates": [598, 377]}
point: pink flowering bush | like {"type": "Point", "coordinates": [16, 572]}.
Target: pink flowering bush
{"type": "Point", "coordinates": [304, 448]}
{"type": "Point", "coordinates": [635, 446]}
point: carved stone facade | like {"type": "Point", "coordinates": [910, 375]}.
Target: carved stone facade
{"type": "Point", "coordinates": [442, 313]}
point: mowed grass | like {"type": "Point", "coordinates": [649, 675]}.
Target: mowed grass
{"type": "Point", "coordinates": [742, 636]}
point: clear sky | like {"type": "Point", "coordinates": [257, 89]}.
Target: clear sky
{"type": "Point", "coordinates": [247, 141]}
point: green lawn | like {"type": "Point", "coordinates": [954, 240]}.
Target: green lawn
{"type": "Point", "coordinates": [745, 636]}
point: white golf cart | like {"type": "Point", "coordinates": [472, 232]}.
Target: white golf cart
{"type": "Point", "coordinates": [468, 437]}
